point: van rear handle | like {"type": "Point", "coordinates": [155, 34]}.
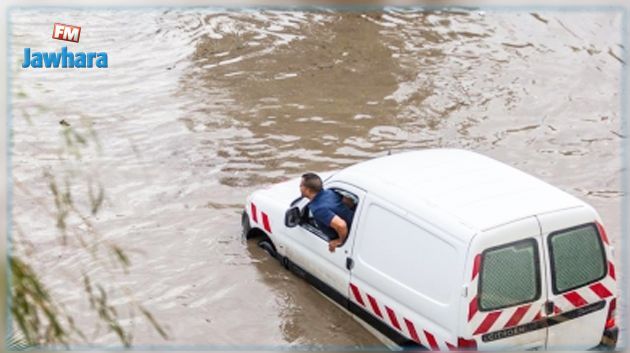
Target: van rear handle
{"type": "Point", "coordinates": [549, 307]}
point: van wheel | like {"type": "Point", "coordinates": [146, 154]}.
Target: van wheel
{"type": "Point", "coordinates": [245, 226]}
{"type": "Point", "coordinates": [268, 247]}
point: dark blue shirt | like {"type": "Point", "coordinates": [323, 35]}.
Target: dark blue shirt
{"type": "Point", "coordinates": [324, 206]}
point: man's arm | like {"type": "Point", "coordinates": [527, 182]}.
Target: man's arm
{"type": "Point", "coordinates": [340, 226]}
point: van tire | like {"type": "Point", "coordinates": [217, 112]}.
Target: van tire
{"type": "Point", "coordinates": [267, 245]}
{"type": "Point", "coordinates": [245, 226]}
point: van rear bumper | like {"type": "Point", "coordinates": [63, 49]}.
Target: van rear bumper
{"type": "Point", "coordinates": [609, 340]}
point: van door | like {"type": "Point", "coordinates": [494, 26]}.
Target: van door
{"type": "Point", "coordinates": [506, 289]}
{"type": "Point", "coordinates": [580, 278]}
{"type": "Point", "coordinates": [406, 278]}
{"type": "Point", "coordinates": [309, 251]}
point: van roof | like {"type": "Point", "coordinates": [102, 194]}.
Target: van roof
{"type": "Point", "coordinates": [457, 186]}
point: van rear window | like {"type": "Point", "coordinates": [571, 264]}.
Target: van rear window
{"type": "Point", "coordinates": [509, 275]}
{"type": "Point", "coordinates": [577, 257]}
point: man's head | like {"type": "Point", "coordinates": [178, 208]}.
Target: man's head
{"type": "Point", "coordinates": [310, 185]}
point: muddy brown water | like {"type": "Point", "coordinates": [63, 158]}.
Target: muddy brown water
{"type": "Point", "coordinates": [200, 107]}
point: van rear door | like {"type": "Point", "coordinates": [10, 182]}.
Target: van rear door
{"type": "Point", "coordinates": [506, 289]}
{"type": "Point", "coordinates": [580, 278]}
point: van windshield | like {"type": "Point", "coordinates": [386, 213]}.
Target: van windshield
{"type": "Point", "coordinates": [509, 275]}
{"type": "Point", "coordinates": [577, 257]}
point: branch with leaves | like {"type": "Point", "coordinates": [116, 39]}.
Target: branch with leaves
{"type": "Point", "coordinates": [40, 319]}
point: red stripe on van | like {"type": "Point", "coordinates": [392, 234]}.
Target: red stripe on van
{"type": "Point", "coordinates": [602, 232]}
{"type": "Point", "coordinates": [432, 341]}
{"type": "Point", "coordinates": [254, 213]}
{"type": "Point", "coordinates": [487, 323]}
{"type": "Point", "coordinates": [472, 308]}
{"type": "Point", "coordinates": [575, 298]}
{"type": "Point", "coordinates": [600, 290]}
{"type": "Point", "coordinates": [611, 270]}
{"type": "Point", "coordinates": [392, 317]}
{"type": "Point", "coordinates": [517, 316]}
{"type": "Point", "coordinates": [375, 307]}
{"type": "Point", "coordinates": [476, 266]}
{"type": "Point", "coordinates": [556, 309]}
{"type": "Point", "coordinates": [265, 220]}
{"type": "Point", "coordinates": [412, 331]}
{"type": "Point", "coordinates": [451, 347]}
{"type": "Point", "coordinates": [357, 294]}
{"type": "Point", "coordinates": [538, 316]}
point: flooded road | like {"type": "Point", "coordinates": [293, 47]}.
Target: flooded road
{"type": "Point", "coordinates": [199, 108]}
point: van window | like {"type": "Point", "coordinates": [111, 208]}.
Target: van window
{"type": "Point", "coordinates": [509, 275]}
{"type": "Point", "coordinates": [577, 257]}
{"type": "Point", "coordinates": [406, 253]}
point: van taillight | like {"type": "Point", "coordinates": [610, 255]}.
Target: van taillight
{"type": "Point", "coordinates": [467, 345]}
{"type": "Point", "coordinates": [610, 321]}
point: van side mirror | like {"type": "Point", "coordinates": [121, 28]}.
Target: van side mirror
{"type": "Point", "coordinates": [292, 217]}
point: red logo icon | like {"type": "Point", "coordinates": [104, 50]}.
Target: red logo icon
{"type": "Point", "coordinates": [65, 32]}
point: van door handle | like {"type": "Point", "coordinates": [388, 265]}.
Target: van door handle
{"type": "Point", "coordinates": [549, 307]}
{"type": "Point", "coordinates": [349, 263]}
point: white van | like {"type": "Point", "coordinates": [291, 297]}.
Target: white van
{"type": "Point", "coordinates": [450, 249]}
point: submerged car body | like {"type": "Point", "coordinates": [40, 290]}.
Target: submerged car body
{"type": "Point", "coordinates": [450, 249]}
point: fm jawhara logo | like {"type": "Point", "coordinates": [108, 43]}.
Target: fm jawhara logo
{"type": "Point", "coordinates": [64, 58]}
{"type": "Point", "coordinates": [65, 32]}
